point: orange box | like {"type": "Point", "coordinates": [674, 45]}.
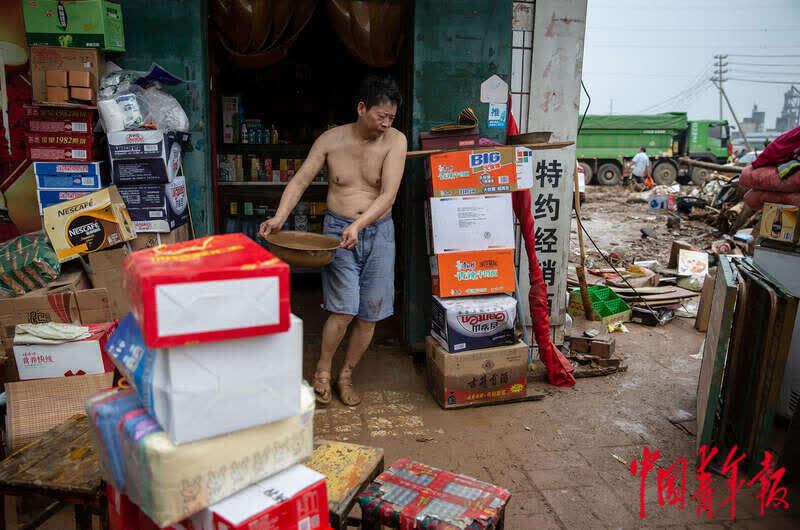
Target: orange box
{"type": "Point", "coordinates": [80, 78]}
{"type": "Point", "coordinates": [57, 94]}
{"type": "Point", "coordinates": [473, 273]}
{"type": "Point", "coordinates": [55, 78]}
{"type": "Point", "coordinates": [83, 94]}
{"type": "Point", "coordinates": [480, 171]}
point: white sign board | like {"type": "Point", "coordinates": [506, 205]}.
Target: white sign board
{"type": "Point", "coordinates": [494, 90]}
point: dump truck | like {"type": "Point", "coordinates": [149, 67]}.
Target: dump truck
{"type": "Point", "coordinates": [606, 143]}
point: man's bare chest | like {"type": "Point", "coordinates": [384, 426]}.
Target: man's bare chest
{"type": "Point", "coordinates": [356, 165]}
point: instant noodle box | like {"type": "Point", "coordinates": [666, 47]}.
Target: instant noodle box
{"type": "Point", "coordinates": [94, 222]}
{"type": "Point", "coordinates": [473, 322]}
{"type": "Point", "coordinates": [480, 171]}
{"type": "Point", "coordinates": [208, 289]}
{"type": "Point", "coordinates": [473, 273]}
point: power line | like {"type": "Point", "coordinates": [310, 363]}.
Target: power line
{"type": "Point", "coordinates": [763, 64]}
{"type": "Point", "coordinates": [735, 71]}
{"type": "Point", "coordinates": [764, 81]}
{"type": "Point", "coordinates": [704, 46]}
{"type": "Point", "coordinates": [681, 28]}
{"type": "Point", "coordinates": [696, 84]}
{"type": "Point", "coordinates": [762, 56]}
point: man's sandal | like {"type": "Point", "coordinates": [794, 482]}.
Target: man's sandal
{"type": "Point", "coordinates": [322, 387]}
{"type": "Point", "coordinates": [347, 393]}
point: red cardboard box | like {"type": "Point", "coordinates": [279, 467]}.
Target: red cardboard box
{"type": "Point", "coordinates": [40, 361]}
{"type": "Point", "coordinates": [63, 139]}
{"type": "Point", "coordinates": [59, 154]}
{"type": "Point", "coordinates": [208, 289]}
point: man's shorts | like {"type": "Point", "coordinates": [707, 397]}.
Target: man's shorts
{"type": "Point", "coordinates": [360, 281]}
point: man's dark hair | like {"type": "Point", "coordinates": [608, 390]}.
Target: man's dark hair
{"type": "Point", "coordinates": [642, 149]}
{"type": "Point", "coordinates": [376, 89]}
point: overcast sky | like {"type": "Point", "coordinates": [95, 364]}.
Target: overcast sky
{"type": "Point", "coordinates": [641, 53]}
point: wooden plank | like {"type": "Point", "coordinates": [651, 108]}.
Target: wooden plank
{"type": "Point", "coordinates": [715, 349]}
{"type": "Point", "coordinates": [704, 307]}
{"type": "Point", "coordinates": [348, 468]}
{"type": "Point", "coordinates": [62, 461]}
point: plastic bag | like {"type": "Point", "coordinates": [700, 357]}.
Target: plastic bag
{"type": "Point", "coordinates": [27, 262]}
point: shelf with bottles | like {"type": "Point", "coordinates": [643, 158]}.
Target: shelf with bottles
{"type": "Point", "coordinates": [249, 169]}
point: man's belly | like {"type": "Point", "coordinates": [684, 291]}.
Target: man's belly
{"type": "Point", "coordinates": [350, 202]}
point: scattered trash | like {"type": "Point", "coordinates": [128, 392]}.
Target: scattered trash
{"type": "Point", "coordinates": [424, 438]}
{"type": "Point", "coordinates": [617, 327]}
{"type": "Point", "coordinates": [620, 459]}
{"type": "Point", "coordinates": [648, 232]}
{"type": "Point", "coordinates": [526, 427]}
{"type": "Point", "coordinates": [591, 332]}
{"type": "Point", "coordinates": [721, 246]}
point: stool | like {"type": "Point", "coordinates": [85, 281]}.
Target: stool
{"type": "Point", "coordinates": [411, 494]}
{"type": "Point", "coordinates": [348, 469]}
{"type": "Point", "coordinates": [62, 465]}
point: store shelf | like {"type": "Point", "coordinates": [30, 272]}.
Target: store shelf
{"type": "Point", "coordinates": [264, 148]}
{"type": "Point", "coordinates": [261, 183]}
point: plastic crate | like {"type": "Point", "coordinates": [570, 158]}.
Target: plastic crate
{"type": "Point", "coordinates": [608, 306]}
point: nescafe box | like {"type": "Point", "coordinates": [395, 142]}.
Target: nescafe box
{"type": "Point", "coordinates": [473, 322]}
{"type": "Point", "coordinates": [87, 224]}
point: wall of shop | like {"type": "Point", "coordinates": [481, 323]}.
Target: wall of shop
{"type": "Point", "coordinates": [180, 45]}
{"type": "Point", "coordinates": [455, 50]}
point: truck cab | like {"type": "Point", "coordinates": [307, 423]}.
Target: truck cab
{"type": "Point", "coordinates": [709, 140]}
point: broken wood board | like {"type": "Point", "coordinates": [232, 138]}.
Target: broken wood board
{"type": "Point", "coordinates": [704, 307]}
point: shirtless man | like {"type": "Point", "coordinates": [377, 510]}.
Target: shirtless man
{"type": "Point", "coordinates": [365, 165]}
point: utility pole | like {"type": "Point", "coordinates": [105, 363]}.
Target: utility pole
{"type": "Point", "coordinates": [739, 125]}
{"type": "Point", "coordinates": [611, 106]}
{"type": "Point", "coordinates": [720, 78]}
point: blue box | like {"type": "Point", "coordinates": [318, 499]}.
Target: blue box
{"type": "Point", "coordinates": [51, 197]}
{"type": "Point", "coordinates": [64, 176]}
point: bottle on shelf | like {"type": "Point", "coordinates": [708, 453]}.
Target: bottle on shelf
{"type": "Point", "coordinates": [273, 134]}
{"type": "Point", "coordinates": [244, 135]}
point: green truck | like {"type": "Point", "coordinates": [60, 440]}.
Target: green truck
{"type": "Point", "coordinates": [606, 143]}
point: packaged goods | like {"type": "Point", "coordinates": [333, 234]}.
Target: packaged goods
{"type": "Point", "coordinates": [157, 207]}
{"type": "Point", "coordinates": [473, 322]}
{"type": "Point", "coordinates": [49, 198]}
{"type": "Point", "coordinates": [105, 272]}
{"type": "Point", "coordinates": [480, 171]}
{"type": "Point", "coordinates": [473, 273]}
{"type": "Point", "coordinates": [58, 176]}
{"type": "Point", "coordinates": [144, 157]}
{"type": "Point", "coordinates": [76, 23]}
{"type": "Point", "coordinates": [94, 222]}
{"type": "Point", "coordinates": [480, 222]}
{"type": "Point", "coordinates": [27, 263]}
{"type": "Point", "coordinates": [51, 58]}
{"type": "Point", "coordinates": [198, 391]}
{"type": "Point", "coordinates": [171, 482]}
{"type": "Point", "coordinates": [79, 357]}
{"type": "Point", "coordinates": [154, 239]}
{"type": "Point", "coordinates": [780, 222]}
{"type": "Point", "coordinates": [58, 119]}
{"type": "Point", "coordinates": [476, 377]}
{"type": "Point", "coordinates": [208, 289]}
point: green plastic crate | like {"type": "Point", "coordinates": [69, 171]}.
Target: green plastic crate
{"type": "Point", "coordinates": [607, 305]}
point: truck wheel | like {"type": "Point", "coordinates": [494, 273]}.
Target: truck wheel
{"type": "Point", "coordinates": [664, 173]}
{"type": "Point", "coordinates": [700, 175]}
{"type": "Point", "coordinates": [587, 172]}
{"type": "Point", "coordinates": [609, 175]}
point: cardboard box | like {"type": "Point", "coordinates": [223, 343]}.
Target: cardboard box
{"type": "Point", "coordinates": [40, 361]}
{"type": "Point", "coordinates": [144, 157]}
{"type": "Point", "coordinates": [480, 171]}
{"type": "Point", "coordinates": [79, 78]}
{"type": "Point", "coordinates": [75, 23]}
{"type": "Point", "coordinates": [59, 154]}
{"type": "Point", "coordinates": [81, 93]}
{"type": "Point", "coordinates": [208, 289]}
{"type": "Point", "coordinates": [476, 377]}
{"type": "Point", "coordinates": [45, 113]}
{"type": "Point", "coordinates": [59, 126]}
{"type": "Point", "coordinates": [473, 273]}
{"type": "Point", "coordinates": [49, 198]}
{"type": "Point", "coordinates": [55, 78]}
{"type": "Point", "coordinates": [154, 239]}
{"type": "Point", "coordinates": [479, 222]}
{"type": "Point", "coordinates": [199, 391]}
{"type": "Point", "coordinates": [780, 222]}
{"type": "Point", "coordinates": [44, 58]}
{"type": "Point", "coordinates": [56, 94]}
{"type": "Point", "coordinates": [473, 322]}
{"type": "Point", "coordinates": [105, 272]}
{"type": "Point", "coordinates": [157, 207]}
{"type": "Point", "coordinates": [88, 224]}
{"type": "Point", "coordinates": [54, 175]}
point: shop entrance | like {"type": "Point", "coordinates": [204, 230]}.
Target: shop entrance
{"type": "Point", "coordinates": [273, 93]}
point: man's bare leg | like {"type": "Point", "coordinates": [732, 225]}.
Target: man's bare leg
{"type": "Point", "coordinates": [360, 339]}
{"type": "Point", "coordinates": [332, 334]}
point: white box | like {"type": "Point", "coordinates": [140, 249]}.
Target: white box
{"type": "Point", "coordinates": [475, 222]}
{"type": "Point", "coordinates": [203, 390]}
{"type": "Point", "coordinates": [474, 322]}
{"type": "Point", "coordinates": [40, 361]}
{"type": "Point", "coordinates": [144, 157]}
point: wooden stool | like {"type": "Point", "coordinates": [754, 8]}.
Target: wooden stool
{"type": "Point", "coordinates": [62, 465]}
{"type": "Point", "coordinates": [348, 468]}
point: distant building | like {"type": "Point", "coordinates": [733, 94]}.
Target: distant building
{"type": "Point", "coordinates": [790, 115]}
{"type": "Point", "coordinates": [755, 123]}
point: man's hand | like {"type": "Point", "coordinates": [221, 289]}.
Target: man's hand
{"type": "Point", "coordinates": [350, 236]}
{"type": "Point", "coordinates": [270, 226]}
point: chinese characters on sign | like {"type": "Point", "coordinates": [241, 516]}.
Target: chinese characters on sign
{"type": "Point", "coordinates": [546, 194]}
{"type": "Point", "coordinates": [671, 482]}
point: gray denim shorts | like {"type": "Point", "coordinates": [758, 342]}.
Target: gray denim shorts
{"type": "Point", "coordinates": [360, 281]}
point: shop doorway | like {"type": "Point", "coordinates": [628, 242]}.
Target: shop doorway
{"type": "Point", "coordinates": [268, 108]}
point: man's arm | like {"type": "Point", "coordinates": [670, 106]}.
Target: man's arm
{"type": "Point", "coordinates": [391, 176]}
{"type": "Point", "coordinates": [294, 190]}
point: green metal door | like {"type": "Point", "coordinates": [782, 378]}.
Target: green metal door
{"type": "Point", "coordinates": [457, 46]}
{"type": "Point", "coordinates": [173, 33]}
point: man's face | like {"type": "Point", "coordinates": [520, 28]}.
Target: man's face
{"type": "Point", "coordinates": [378, 118]}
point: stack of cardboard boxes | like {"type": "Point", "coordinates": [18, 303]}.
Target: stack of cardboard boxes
{"type": "Point", "coordinates": [473, 355]}
{"type": "Point", "coordinates": [219, 416]}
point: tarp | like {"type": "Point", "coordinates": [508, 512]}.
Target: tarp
{"type": "Point", "coordinates": [667, 120]}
